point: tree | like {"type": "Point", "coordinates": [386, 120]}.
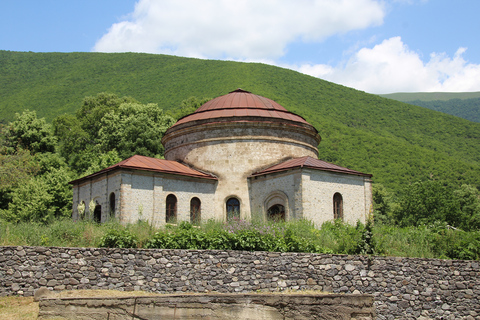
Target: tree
{"type": "Point", "coordinates": [93, 109]}
{"type": "Point", "coordinates": [382, 204]}
{"type": "Point", "coordinates": [29, 132]}
{"type": "Point", "coordinates": [427, 202]}
{"type": "Point", "coordinates": [41, 199]}
{"type": "Point", "coordinates": [188, 106]}
{"type": "Point", "coordinates": [71, 137]}
{"type": "Point", "coordinates": [134, 128]}
{"type": "Point", "coordinates": [468, 198]}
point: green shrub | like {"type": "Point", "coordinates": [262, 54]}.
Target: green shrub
{"type": "Point", "coordinates": [119, 238]}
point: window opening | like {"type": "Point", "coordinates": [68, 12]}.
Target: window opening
{"type": "Point", "coordinates": [276, 213]}
{"type": "Point", "coordinates": [195, 211]}
{"type": "Point", "coordinates": [233, 208]}
{"type": "Point", "coordinates": [171, 209]}
{"type": "Point", "coordinates": [337, 206]}
{"type": "Point", "coordinates": [112, 203]}
{"type": "Point", "coordinates": [97, 213]}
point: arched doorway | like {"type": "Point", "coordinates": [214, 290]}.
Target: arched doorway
{"type": "Point", "coordinates": [233, 208]}
{"type": "Point", "coordinates": [195, 211]}
{"type": "Point", "coordinates": [276, 213]}
{"type": "Point", "coordinates": [97, 213]}
{"type": "Point", "coordinates": [171, 209]}
{"type": "Point", "coordinates": [337, 206]}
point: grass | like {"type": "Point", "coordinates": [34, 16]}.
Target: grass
{"type": "Point", "coordinates": [16, 308]}
{"type": "Point", "coordinates": [299, 235]}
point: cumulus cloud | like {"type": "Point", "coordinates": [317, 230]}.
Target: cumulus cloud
{"type": "Point", "coordinates": [250, 30]}
{"type": "Point", "coordinates": [392, 67]}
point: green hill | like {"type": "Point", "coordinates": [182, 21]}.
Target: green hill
{"type": "Point", "coordinates": [430, 96]}
{"type": "Point", "coordinates": [465, 105]}
{"type": "Point", "coordinates": [398, 143]}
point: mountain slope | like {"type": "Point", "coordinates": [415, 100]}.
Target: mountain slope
{"type": "Point", "coordinates": [398, 143]}
{"type": "Point", "coordinates": [465, 105]}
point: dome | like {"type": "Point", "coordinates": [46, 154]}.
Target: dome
{"type": "Point", "coordinates": [241, 105]}
{"type": "Point", "coordinates": [240, 132]}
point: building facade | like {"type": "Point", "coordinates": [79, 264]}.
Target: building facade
{"type": "Point", "coordinates": [237, 155]}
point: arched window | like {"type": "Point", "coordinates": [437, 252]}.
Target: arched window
{"type": "Point", "coordinates": [112, 203]}
{"type": "Point", "coordinates": [97, 213]}
{"type": "Point", "coordinates": [337, 206]}
{"type": "Point", "coordinates": [171, 209]}
{"type": "Point", "coordinates": [276, 213]}
{"type": "Point", "coordinates": [233, 208]}
{"type": "Point", "coordinates": [195, 211]}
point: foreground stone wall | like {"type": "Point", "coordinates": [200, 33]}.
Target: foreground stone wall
{"type": "Point", "coordinates": [212, 306]}
{"type": "Point", "coordinates": [404, 288]}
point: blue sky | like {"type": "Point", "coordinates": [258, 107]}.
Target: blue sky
{"type": "Point", "coordinates": [378, 46]}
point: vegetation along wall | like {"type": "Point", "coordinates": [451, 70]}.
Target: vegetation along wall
{"type": "Point", "coordinates": [404, 288]}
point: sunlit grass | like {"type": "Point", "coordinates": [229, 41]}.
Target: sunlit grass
{"type": "Point", "coordinates": [333, 237]}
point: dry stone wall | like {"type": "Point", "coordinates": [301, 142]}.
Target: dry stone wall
{"type": "Point", "coordinates": [404, 288]}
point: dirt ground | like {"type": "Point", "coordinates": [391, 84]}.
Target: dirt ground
{"type": "Point", "coordinates": [25, 308]}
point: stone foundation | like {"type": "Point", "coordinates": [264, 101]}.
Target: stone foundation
{"type": "Point", "coordinates": [212, 306]}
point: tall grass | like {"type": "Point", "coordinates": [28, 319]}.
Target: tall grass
{"type": "Point", "coordinates": [298, 235]}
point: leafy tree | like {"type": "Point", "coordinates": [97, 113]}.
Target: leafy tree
{"type": "Point", "coordinates": [382, 204]}
{"type": "Point", "coordinates": [468, 198]}
{"type": "Point", "coordinates": [29, 132]}
{"type": "Point", "coordinates": [134, 128]}
{"type": "Point", "coordinates": [108, 128]}
{"type": "Point", "coordinates": [96, 162]}
{"type": "Point", "coordinates": [188, 106]}
{"type": "Point", "coordinates": [41, 199]}
{"type": "Point", "coordinates": [71, 137]}
{"type": "Point", "coordinates": [427, 202]}
{"type": "Point", "coordinates": [93, 109]}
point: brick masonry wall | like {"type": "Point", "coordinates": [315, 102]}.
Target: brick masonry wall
{"type": "Point", "coordinates": [404, 288]}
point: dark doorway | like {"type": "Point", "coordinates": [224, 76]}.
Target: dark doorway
{"type": "Point", "coordinates": [171, 209]}
{"type": "Point", "coordinates": [195, 211]}
{"type": "Point", "coordinates": [337, 206]}
{"type": "Point", "coordinates": [97, 213]}
{"type": "Point", "coordinates": [276, 213]}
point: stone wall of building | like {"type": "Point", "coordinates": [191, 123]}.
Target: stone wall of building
{"type": "Point", "coordinates": [144, 196]}
{"type": "Point", "coordinates": [318, 188]}
{"type": "Point", "coordinates": [98, 189]}
{"type": "Point", "coordinates": [403, 288]}
{"type": "Point", "coordinates": [308, 194]}
{"type": "Point", "coordinates": [141, 195]}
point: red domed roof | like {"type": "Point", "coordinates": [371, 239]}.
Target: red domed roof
{"type": "Point", "coordinates": [241, 103]}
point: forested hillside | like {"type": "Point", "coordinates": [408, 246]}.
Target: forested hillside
{"type": "Point", "coordinates": [465, 105]}
{"type": "Point", "coordinates": [396, 142]}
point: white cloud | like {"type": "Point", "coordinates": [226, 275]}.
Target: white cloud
{"type": "Point", "coordinates": [392, 67]}
{"type": "Point", "coordinates": [250, 30]}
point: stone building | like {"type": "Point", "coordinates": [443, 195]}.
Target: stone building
{"type": "Point", "coordinates": [237, 155]}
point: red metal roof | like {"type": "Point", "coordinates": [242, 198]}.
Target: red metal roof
{"type": "Point", "coordinates": [152, 164]}
{"type": "Point", "coordinates": [241, 103]}
{"type": "Point", "coordinates": [311, 163]}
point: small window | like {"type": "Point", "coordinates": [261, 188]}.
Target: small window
{"type": "Point", "coordinates": [112, 203]}
{"type": "Point", "coordinates": [233, 208]}
{"type": "Point", "coordinates": [276, 213]}
{"type": "Point", "coordinates": [171, 209]}
{"type": "Point", "coordinates": [337, 206]}
{"type": "Point", "coordinates": [195, 211]}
